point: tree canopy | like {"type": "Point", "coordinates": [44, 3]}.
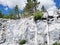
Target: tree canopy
{"type": "Point", "coordinates": [16, 11]}
{"type": "Point", "coordinates": [31, 6]}
{"type": "Point", "coordinates": [1, 14]}
{"type": "Point", "coordinates": [43, 9]}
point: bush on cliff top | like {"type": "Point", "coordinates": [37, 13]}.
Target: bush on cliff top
{"type": "Point", "coordinates": [38, 15]}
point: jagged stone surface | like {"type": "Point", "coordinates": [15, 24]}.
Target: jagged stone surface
{"type": "Point", "coordinates": [34, 33]}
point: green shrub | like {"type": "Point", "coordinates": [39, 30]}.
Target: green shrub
{"type": "Point", "coordinates": [56, 43]}
{"type": "Point", "coordinates": [8, 16]}
{"type": "Point", "coordinates": [5, 17]}
{"type": "Point", "coordinates": [22, 42]}
{"type": "Point", "coordinates": [38, 15]}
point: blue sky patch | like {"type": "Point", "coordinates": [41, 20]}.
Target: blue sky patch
{"type": "Point", "coordinates": [57, 2]}
{"type": "Point", "coordinates": [7, 10]}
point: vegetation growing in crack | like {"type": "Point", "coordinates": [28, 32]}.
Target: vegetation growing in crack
{"type": "Point", "coordinates": [21, 42]}
{"type": "Point", "coordinates": [56, 43]}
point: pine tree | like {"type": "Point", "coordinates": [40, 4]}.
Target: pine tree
{"type": "Point", "coordinates": [36, 4]}
{"type": "Point", "coordinates": [1, 14]}
{"type": "Point", "coordinates": [11, 15]}
{"type": "Point", "coordinates": [31, 6]}
{"type": "Point", "coordinates": [59, 7]}
{"type": "Point", "coordinates": [43, 9]}
{"type": "Point", "coordinates": [16, 11]}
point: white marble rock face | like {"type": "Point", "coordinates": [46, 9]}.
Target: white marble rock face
{"type": "Point", "coordinates": [34, 33]}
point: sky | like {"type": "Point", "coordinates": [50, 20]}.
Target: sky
{"type": "Point", "coordinates": [8, 5]}
{"type": "Point", "coordinates": [57, 2]}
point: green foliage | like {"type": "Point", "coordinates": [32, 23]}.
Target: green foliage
{"type": "Point", "coordinates": [16, 8]}
{"type": "Point", "coordinates": [35, 4]}
{"type": "Point", "coordinates": [28, 1]}
{"type": "Point", "coordinates": [1, 14]}
{"type": "Point", "coordinates": [7, 17]}
{"type": "Point", "coordinates": [30, 6]}
{"type": "Point", "coordinates": [22, 42]}
{"type": "Point", "coordinates": [10, 16]}
{"type": "Point", "coordinates": [56, 43]}
{"type": "Point", "coordinates": [16, 11]}
{"type": "Point", "coordinates": [59, 7]}
{"type": "Point", "coordinates": [38, 15]}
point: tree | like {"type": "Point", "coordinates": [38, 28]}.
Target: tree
{"type": "Point", "coordinates": [59, 7]}
{"type": "Point", "coordinates": [1, 14]}
{"type": "Point", "coordinates": [43, 9]}
{"type": "Point", "coordinates": [36, 4]}
{"type": "Point", "coordinates": [11, 15]}
{"type": "Point", "coordinates": [16, 11]}
{"type": "Point", "coordinates": [31, 6]}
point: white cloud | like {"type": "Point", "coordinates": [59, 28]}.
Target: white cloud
{"type": "Point", "coordinates": [47, 3]}
{"type": "Point", "coordinates": [21, 3]}
{"type": "Point", "coordinates": [13, 3]}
